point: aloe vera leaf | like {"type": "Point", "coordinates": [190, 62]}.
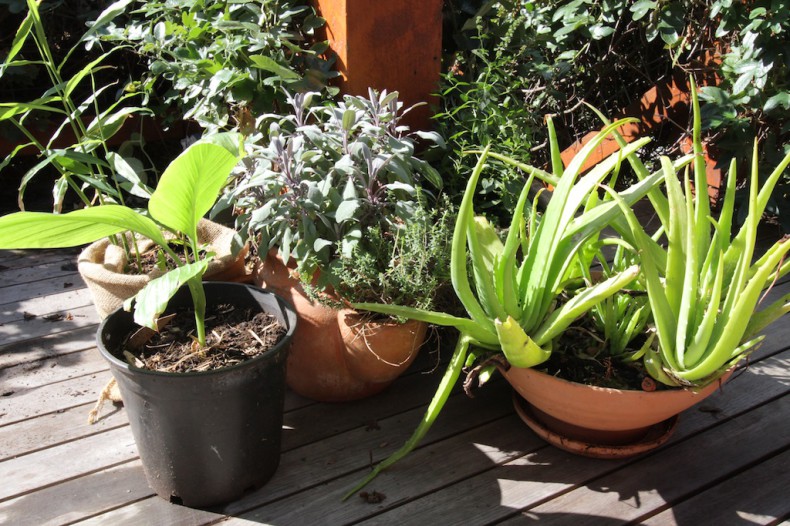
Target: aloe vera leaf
{"type": "Point", "coordinates": [702, 336]}
{"type": "Point", "coordinates": [655, 368]}
{"type": "Point", "coordinates": [657, 199]}
{"type": "Point", "coordinates": [561, 318]}
{"type": "Point", "coordinates": [506, 271]}
{"type": "Point", "coordinates": [676, 265]}
{"type": "Point", "coordinates": [484, 247]}
{"type": "Point", "coordinates": [519, 349]}
{"type": "Point", "coordinates": [702, 210]}
{"type": "Point", "coordinates": [766, 316]}
{"type": "Point", "coordinates": [766, 189]}
{"type": "Point", "coordinates": [740, 251]}
{"type": "Point", "coordinates": [434, 408]}
{"type": "Point", "coordinates": [557, 166]}
{"type": "Point", "coordinates": [531, 171]}
{"type": "Point", "coordinates": [559, 212]}
{"type": "Point", "coordinates": [688, 295]}
{"type": "Point", "coordinates": [458, 273]}
{"type": "Point", "coordinates": [663, 316]}
{"type": "Point", "coordinates": [473, 329]}
{"type": "Point", "coordinates": [735, 321]}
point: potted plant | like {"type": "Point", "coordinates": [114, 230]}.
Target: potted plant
{"type": "Point", "coordinates": [207, 434]}
{"type": "Point", "coordinates": [335, 206]}
{"type": "Point", "coordinates": [702, 291]}
{"type": "Point", "coordinates": [515, 307]}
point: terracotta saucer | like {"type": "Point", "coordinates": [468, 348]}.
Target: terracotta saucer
{"type": "Point", "coordinates": [655, 437]}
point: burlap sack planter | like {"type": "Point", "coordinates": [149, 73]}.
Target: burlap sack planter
{"type": "Point", "coordinates": [101, 265]}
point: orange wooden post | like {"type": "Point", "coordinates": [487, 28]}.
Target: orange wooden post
{"type": "Point", "coordinates": [394, 45]}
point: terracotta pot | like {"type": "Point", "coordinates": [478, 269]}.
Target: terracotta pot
{"type": "Point", "coordinates": [336, 356]}
{"type": "Point", "coordinates": [606, 421]}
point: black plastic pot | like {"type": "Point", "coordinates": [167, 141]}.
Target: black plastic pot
{"type": "Point", "coordinates": [206, 438]}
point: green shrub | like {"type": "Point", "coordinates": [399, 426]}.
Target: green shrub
{"type": "Point", "coordinates": [224, 62]}
{"type": "Point", "coordinates": [516, 61]}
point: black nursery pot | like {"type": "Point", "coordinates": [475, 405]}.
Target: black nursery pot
{"type": "Point", "coordinates": [206, 438]}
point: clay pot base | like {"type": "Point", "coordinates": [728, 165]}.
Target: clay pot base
{"type": "Point", "coordinates": [656, 436]}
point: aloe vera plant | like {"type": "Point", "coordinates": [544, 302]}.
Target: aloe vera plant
{"type": "Point", "coordinates": [704, 287]}
{"type": "Point", "coordinates": [512, 300]}
{"type": "Point", "coordinates": [186, 191]}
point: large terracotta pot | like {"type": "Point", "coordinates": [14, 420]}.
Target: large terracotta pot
{"type": "Point", "coordinates": [597, 421]}
{"type": "Point", "coordinates": [337, 356]}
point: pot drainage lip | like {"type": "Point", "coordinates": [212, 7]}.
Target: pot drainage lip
{"type": "Point", "coordinates": [657, 436]}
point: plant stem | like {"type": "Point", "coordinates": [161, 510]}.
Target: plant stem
{"type": "Point", "coordinates": [199, 301]}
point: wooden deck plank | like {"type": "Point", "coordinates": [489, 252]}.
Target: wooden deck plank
{"type": "Point", "coordinates": [52, 398]}
{"type": "Point", "coordinates": [56, 428]}
{"type": "Point", "coordinates": [479, 464]}
{"type": "Point", "coordinates": [35, 289]}
{"type": "Point", "coordinates": [60, 302]}
{"type": "Point", "coordinates": [39, 373]}
{"type": "Point", "coordinates": [56, 267]}
{"type": "Point", "coordinates": [25, 330]}
{"type": "Point", "coordinates": [76, 499]}
{"type": "Point", "coordinates": [13, 259]}
{"type": "Point", "coordinates": [696, 463]}
{"type": "Point", "coordinates": [757, 496]}
{"type": "Point", "coordinates": [308, 467]}
{"type": "Point", "coordinates": [73, 459]}
{"type": "Point", "coordinates": [54, 344]}
{"type": "Point", "coordinates": [529, 479]}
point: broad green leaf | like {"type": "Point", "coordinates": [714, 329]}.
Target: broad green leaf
{"type": "Point", "coordinates": [458, 271]}
{"type": "Point", "coordinates": [189, 187]}
{"type": "Point", "coordinates": [269, 64]}
{"type": "Point", "coordinates": [560, 319]}
{"type": "Point", "coordinates": [42, 230]}
{"type": "Point", "coordinates": [152, 300]}
{"type": "Point", "coordinates": [483, 253]}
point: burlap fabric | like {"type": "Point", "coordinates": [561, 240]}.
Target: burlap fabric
{"type": "Point", "coordinates": [101, 265]}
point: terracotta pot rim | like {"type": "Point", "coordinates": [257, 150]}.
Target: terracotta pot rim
{"type": "Point", "coordinates": [612, 390]}
{"type": "Point", "coordinates": [390, 321]}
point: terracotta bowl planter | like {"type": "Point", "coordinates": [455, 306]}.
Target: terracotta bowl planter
{"type": "Point", "coordinates": [598, 421]}
{"type": "Point", "coordinates": [336, 356]}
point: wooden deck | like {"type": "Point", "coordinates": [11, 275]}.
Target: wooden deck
{"type": "Point", "coordinates": [728, 462]}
